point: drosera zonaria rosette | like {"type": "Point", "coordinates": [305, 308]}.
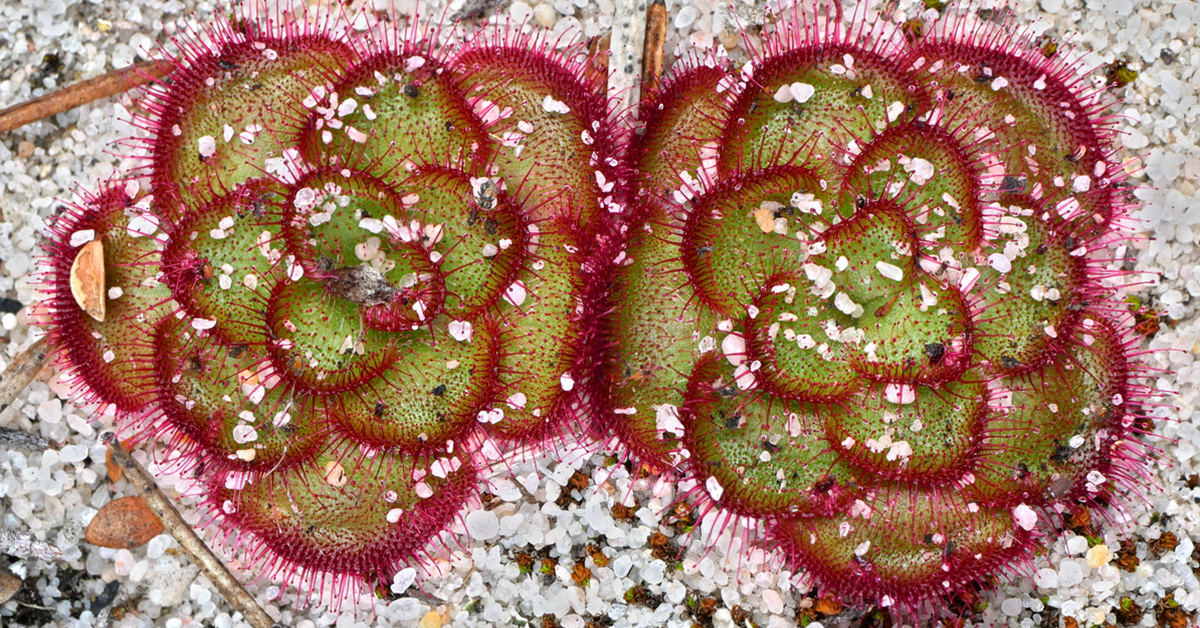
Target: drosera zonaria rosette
{"type": "Point", "coordinates": [863, 300]}
{"type": "Point", "coordinates": [852, 288]}
{"type": "Point", "coordinates": [352, 260]}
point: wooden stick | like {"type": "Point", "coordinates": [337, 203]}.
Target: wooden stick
{"type": "Point", "coordinates": [83, 93]}
{"type": "Point", "coordinates": [656, 37]}
{"type": "Point", "coordinates": [20, 439]}
{"type": "Point", "coordinates": [23, 545]}
{"type": "Point", "coordinates": [625, 60]}
{"type": "Point", "coordinates": [22, 370]}
{"type": "Point", "coordinates": [189, 541]}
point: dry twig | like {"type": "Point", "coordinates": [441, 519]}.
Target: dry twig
{"type": "Point", "coordinates": [23, 545]}
{"type": "Point", "coordinates": [19, 439]}
{"type": "Point", "coordinates": [656, 37]}
{"type": "Point", "coordinates": [210, 565]}
{"type": "Point", "coordinates": [83, 93]}
{"type": "Point", "coordinates": [625, 60]}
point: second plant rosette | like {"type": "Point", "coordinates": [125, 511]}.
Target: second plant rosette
{"type": "Point", "coordinates": [862, 301]}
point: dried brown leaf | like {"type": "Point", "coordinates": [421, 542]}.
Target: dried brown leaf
{"type": "Point", "coordinates": [123, 524]}
{"type": "Point", "coordinates": [87, 279]}
{"type": "Point", "coordinates": [9, 585]}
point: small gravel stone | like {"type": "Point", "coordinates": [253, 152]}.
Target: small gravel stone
{"type": "Point", "coordinates": [482, 525]}
{"type": "Point", "coordinates": [519, 12]}
{"type": "Point", "coordinates": [1069, 573]}
{"type": "Point", "coordinates": [545, 15]}
{"type": "Point", "coordinates": [686, 16]}
{"type": "Point", "coordinates": [621, 565]}
{"type": "Point", "coordinates": [405, 609]}
{"type": "Point", "coordinates": [73, 453]}
{"type": "Point", "coordinates": [171, 581]}
{"type": "Point", "coordinates": [402, 580]}
{"type": "Point", "coordinates": [773, 601]}
{"type": "Point", "coordinates": [50, 411]}
{"type": "Point", "coordinates": [1099, 556]}
{"type": "Point", "coordinates": [653, 572]}
{"type": "Point", "coordinates": [157, 546]}
{"type": "Point", "coordinates": [1046, 578]}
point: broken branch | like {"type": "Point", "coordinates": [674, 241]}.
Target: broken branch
{"type": "Point", "coordinates": [656, 37]}
{"type": "Point", "coordinates": [23, 545]}
{"type": "Point", "coordinates": [83, 93]}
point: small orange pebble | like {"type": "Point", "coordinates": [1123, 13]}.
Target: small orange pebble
{"type": "Point", "coordinates": [248, 378]}
{"type": "Point", "coordinates": [9, 585]}
{"type": "Point", "coordinates": [87, 279]}
{"type": "Point", "coordinates": [827, 606]}
{"type": "Point", "coordinates": [335, 475]}
{"type": "Point", "coordinates": [431, 620]}
{"type": "Point", "coordinates": [123, 523]}
{"type": "Point", "coordinates": [765, 217]}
